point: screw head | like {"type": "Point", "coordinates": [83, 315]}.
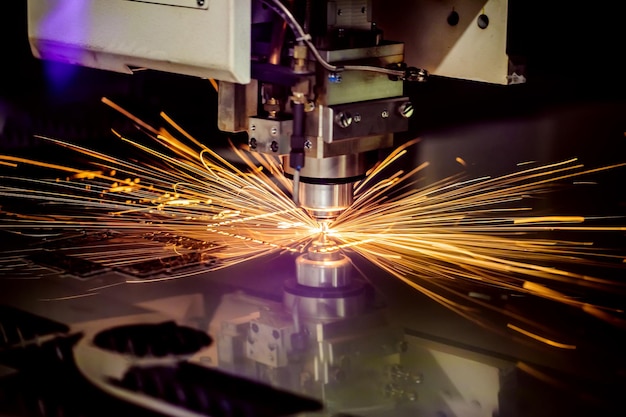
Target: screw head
{"type": "Point", "coordinates": [308, 144]}
{"type": "Point", "coordinates": [252, 143]}
{"type": "Point", "coordinates": [274, 146]}
{"type": "Point", "coordinates": [343, 119]}
{"type": "Point", "coordinates": [406, 109]}
{"type": "Point", "coordinates": [384, 114]}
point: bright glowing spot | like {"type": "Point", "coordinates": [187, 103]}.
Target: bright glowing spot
{"type": "Point", "coordinates": [550, 219]}
{"type": "Point", "coordinates": [87, 175]}
{"type": "Point", "coordinates": [182, 202]}
{"type": "Point", "coordinates": [519, 164]}
{"type": "Point", "coordinates": [226, 214]}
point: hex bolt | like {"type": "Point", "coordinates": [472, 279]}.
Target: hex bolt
{"type": "Point", "coordinates": [384, 114]}
{"type": "Point", "coordinates": [274, 146]}
{"type": "Point", "coordinates": [406, 109]}
{"type": "Point", "coordinates": [343, 119]}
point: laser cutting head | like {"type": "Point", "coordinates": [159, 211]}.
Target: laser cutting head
{"type": "Point", "coordinates": [311, 83]}
{"type": "Point", "coordinates": [325, 201]}
{"type": "Point", "coordinates": [340, 100]}
{"type": "Point", "coordinates": [326, 184]}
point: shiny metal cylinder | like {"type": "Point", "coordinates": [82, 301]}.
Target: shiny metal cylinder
{"type": "Point", "coordinates": [330, 169]}
{"type": "Point", "coordinates": [323, 269]}
{"type": "Point", "coordinates": [325, 307]}
{"type": "Point", "coordinates": [326, 184]}
{"type": "Point", "coordinates": [325, 201]}
{"type": "Point", "coordinates": [324, 288]}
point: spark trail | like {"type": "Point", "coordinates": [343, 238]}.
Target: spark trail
{"type": "Point", "coordinates": [456, 232]}
{"type": "Point", "coordinates": [435, 238]}
{"type": "Point", "coordinates": [183, 188]}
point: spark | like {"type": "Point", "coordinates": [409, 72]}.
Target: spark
{"type": "Point", "coordinates": [550, 219]}
{"type": "Point", "coordinates": [434, 238]}
{"type": "Point", "coordinates": [191, 191]}
{"type": "Point", "coordinates": [459, 231]}
{"type": "Point", "coordinates": [541, 338]}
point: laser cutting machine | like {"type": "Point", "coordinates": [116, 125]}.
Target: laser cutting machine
{"type": "Point", "coordinates": [323, 86]}
{"type": "Point", "coordinates": [320, 84]}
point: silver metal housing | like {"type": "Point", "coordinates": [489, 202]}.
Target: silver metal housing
{"type": "Point", "coordinates": [325, 201]}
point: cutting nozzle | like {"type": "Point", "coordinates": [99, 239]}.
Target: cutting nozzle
{"type": "Point", "coordinates": [325, 201]}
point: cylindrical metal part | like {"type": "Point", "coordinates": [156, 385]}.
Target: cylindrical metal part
{"type": "Point", "coordinates": [324, 288]}
{"type": "Point", "coordinates": [325, 303]}
{"type": "Point", "coordinates": [325, 201]}
{"type": "Point", "coordinates": [331, 169]}
{"type": "Point", "coordinates": [323, 270]}
{"type": "Point", "coordinates": [326, 184]}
